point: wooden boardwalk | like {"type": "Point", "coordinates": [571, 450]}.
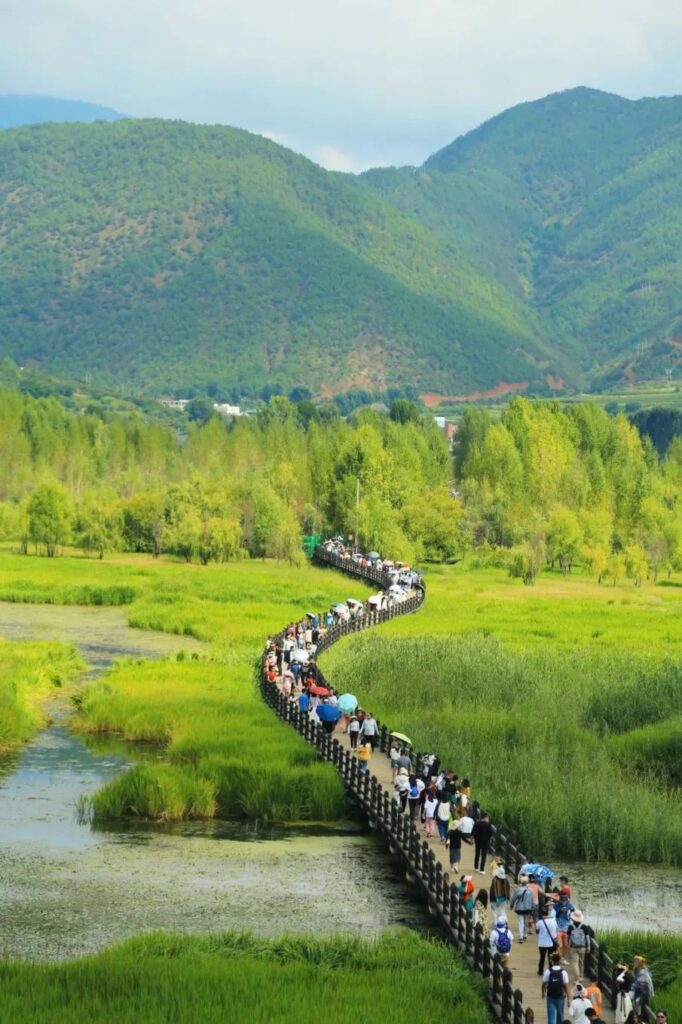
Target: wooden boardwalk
{"type": "Point", "coordinates": [523, 960]}
{"type": "Point", "coordinates": [426, 858]}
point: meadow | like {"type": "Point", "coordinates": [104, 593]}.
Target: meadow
{"type": "Point", "coordinates": [291, 980]}
{"type": "Point", "coordinates": [541, 696]}
{"type": "Point", "coordinates": [31, 673]}
{"type": "Point", "coordinates": [227, 754]}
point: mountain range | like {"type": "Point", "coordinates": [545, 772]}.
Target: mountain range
{"type": "Point", "coordinates": [539, 251]}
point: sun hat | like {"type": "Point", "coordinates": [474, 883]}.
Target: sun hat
{"type": "Point", "coordinates": [502, 920]}
{"type": "Point", "coordinates": [577, 916]}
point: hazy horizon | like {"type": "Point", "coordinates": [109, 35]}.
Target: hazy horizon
{"type": "Point", "coordinates": [349, 83]}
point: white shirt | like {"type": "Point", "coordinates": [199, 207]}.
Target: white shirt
{"type": "Point", "coordinates": [564, 977]}
{"type": "Point", "coordinates": [547, 932]}
{"type": "Point", "coordinates": [430, 807]}
{"type": "Point", "coordinates": [466, 825]}
{"type": "Point", "coordinates": [576, 1011]}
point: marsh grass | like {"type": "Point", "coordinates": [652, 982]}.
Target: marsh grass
{"type": "Point", "coordinates": [158, 978]}
{"type": "Point", "coordinates": [517, 722]}
{"type": "Point", "coordinates": [30, 673]}
{"type": "Point", "coordinates": [654, 749]}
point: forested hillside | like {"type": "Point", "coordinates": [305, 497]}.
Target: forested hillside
{"type": "Point", "coordinates": [166, 254]}
{"type": "Point", "coordinates": [573, 202]}
{"type": "Point", "coordinates": [540, 249]}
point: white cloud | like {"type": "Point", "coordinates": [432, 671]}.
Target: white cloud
{"type": "Point", "coordinates": [381, 79]}
{"type": "Point", "coordinates": [334, 159]}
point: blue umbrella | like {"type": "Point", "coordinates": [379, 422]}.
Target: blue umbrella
{"type": "Point", "coordinates": [348, 703]}
{"type": "Point", "coordinates": [327, 713]}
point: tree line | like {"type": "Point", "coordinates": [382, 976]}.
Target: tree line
{"type": "Point", "coordinates": [540, 485]}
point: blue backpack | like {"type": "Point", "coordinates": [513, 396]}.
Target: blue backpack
{"type": "Point", "coordinates": [503, 940]}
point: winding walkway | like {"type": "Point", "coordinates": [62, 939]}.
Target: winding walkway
{"type": "Point", "coordinates": [513, 992]}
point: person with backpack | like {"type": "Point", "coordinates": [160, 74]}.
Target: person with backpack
{"type": "Point", "coordinates": [402, 787]}
{"type": "Point", "coordinates": [564, 908]}
{"type": "Point", "coordinates": [547, 937]}
{"type": "Point", "coordinates": [414, 795]}
{"type": "Point", "coordinates": [501, 938]}
{"type": "Point", "coordinates": [522, 905]}
{"type": "Point", "coordinates": [579, 937]}
{"type": "Point", "coordinates": [555, 989]}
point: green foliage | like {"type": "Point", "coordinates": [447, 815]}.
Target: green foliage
{"type": "Point", "coordinates": [547, 199]}
{"type": "Point", "coordinates": [29, 675]}
{"type": "Point", "coordinates": [160, 977]}
{"type": "Point", "coordinates": [528, 696]}
{"type": "Point", "coordinates": [49, 518]}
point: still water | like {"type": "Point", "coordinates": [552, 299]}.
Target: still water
{"type": "Point", "coordinates": [67, 888]}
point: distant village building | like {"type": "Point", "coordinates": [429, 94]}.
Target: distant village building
{"type": "Point", "coordinates": [224, 409]}
{"type": "Point", "coordinates": [448, 428]}
{"type": "Point", "coordinates": [174, 403]}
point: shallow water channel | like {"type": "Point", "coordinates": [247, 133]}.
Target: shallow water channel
{"type": "Point", "coordinates": [67, 888]}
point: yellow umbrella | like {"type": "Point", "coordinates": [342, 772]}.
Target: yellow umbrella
{"type": "Point", "coordinates": [402, 737]}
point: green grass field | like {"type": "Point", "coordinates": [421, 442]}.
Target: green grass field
{"type": "Point", "coordinates": [539, 695]}
{"type": "Point", "coordinates": [159, 978]}
{"type": "Point", "coordinates": [228, 755]}
{"type": "Point", "coordinates": [30, 674]}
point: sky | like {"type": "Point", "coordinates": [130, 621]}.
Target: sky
{"type": "Point", "coordinates": [350, 83]}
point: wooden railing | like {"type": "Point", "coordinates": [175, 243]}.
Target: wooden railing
{"type": "Point", "coordinates": [421, 865]}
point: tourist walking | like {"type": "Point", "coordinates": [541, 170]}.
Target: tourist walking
{"type": "Point", "coordinates": [430, 808]}
{"type": "Point", "coordinates": [353, 731]}
{"type": "Point", "coordinates": [522, 905]}
{"type": "Point", "coordinates": [500, 891]}
{"type": "Point", "coordinates": [501, 939]}
{"type": "Point", "coordinates": [443, 813]}
{"type": "Point", "coordinates": [364, 756]}
{"type": "Point", "coordinates": [555, 989]}
{"type": "Point", "coordinates": [579, 937]}
{"type": "Point", "coordinates": [414, 796]}
{"type": "Point", "coordinates": [482, 834]}
{"type": "Point", "coordinates": [467, 892]}
{"type": "Point", "coordinates": [481, 911]}
{"type": "Point", "coordinates": [453, 841]}
{"type": "Point", "coordinates": [564, 909]}
{"type": "Point", "coordinates": [402, 787]}
{"type": "Point", "coordinates": [370, 730]}
{"type": "Point", "coordinates": [547, 937]}
{"type": "Point", "coordinates": [579, 1004]}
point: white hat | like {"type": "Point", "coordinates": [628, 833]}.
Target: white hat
{"type": "Point", "coordinates": [577, 916]}
{"type": "Point", "coordinates": [501, 921]}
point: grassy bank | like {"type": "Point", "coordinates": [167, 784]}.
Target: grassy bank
{"type": "Point", "coordinates": [227, 755]}
{"type": "Point", "coordinates": [157, 978]}
{"type": "Point", "coordinates": [30, 674]}
{"type": "Point", "coordinates": [537, 724]}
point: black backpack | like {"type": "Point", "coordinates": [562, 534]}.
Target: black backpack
{"type": "Point", "coordinates": [555, 984]}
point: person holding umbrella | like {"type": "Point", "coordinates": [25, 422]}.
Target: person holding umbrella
{"type": "Point", "coordinates": [328, 715]}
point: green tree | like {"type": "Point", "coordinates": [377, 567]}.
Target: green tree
{"type": "Point", "coordinates": [49, 518]}
{"type": "Point", "coordinates": [99, 526]}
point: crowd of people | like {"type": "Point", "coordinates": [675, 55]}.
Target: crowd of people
{"type": "Point", "coordinates": [441, 802]}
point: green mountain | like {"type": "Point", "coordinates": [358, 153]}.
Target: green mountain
{"type": "Point", "coordinates": [17, 110]}
{"type": "Point", "coordinates": [168, 253]}
{"type": "Point", "coordinates": [541, 246]}
{"type": "Point", "coordinates": [573, 203]}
